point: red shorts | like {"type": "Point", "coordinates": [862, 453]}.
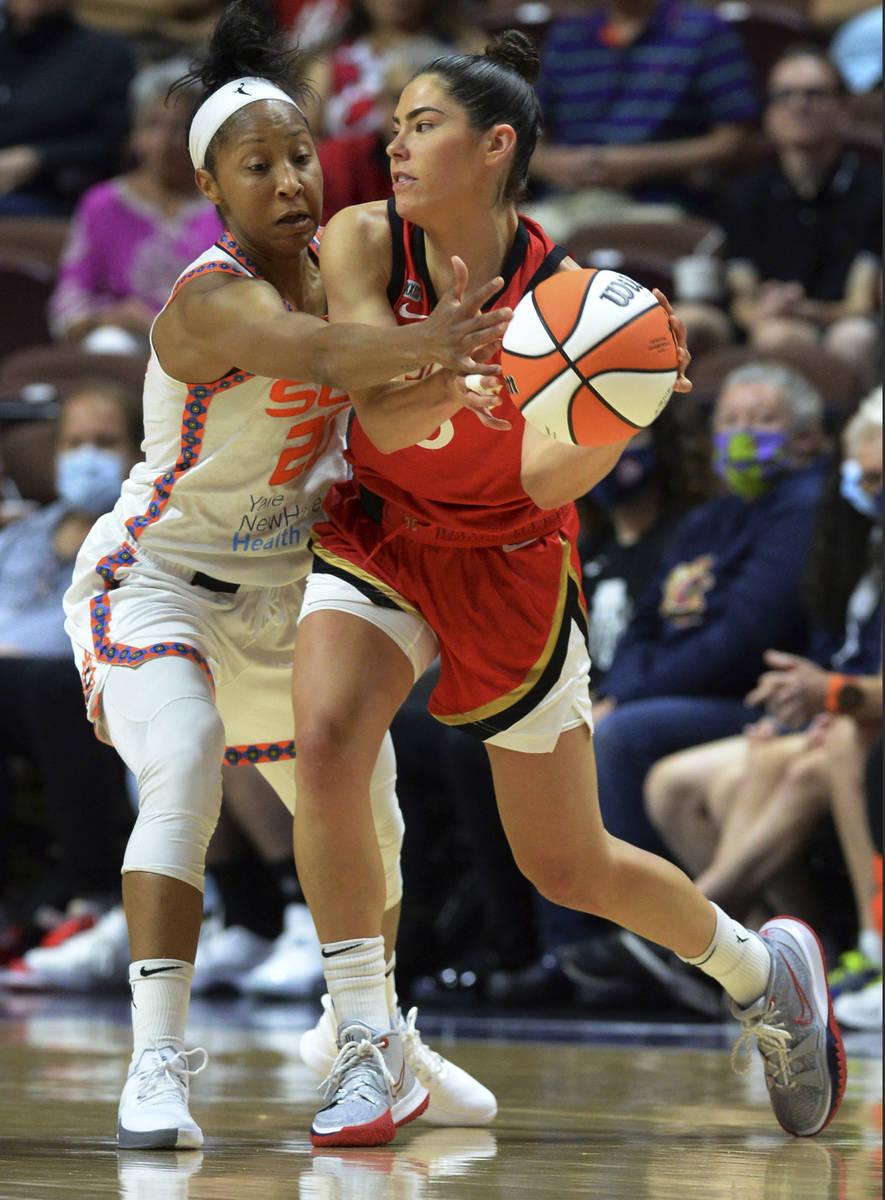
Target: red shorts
{"type": "Point", "coordinates": [502, 614]}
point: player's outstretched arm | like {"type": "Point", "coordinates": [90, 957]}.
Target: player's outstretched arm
{"type": "Point", "coordinates": [222, 321]}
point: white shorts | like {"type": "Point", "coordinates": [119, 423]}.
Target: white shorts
{"type": "Point", "coordinates": [245, 640]}
{"type": "Point", "coordinates": [565, 706]}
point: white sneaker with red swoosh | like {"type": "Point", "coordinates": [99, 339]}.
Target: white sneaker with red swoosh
{"type": "Point", "coordinates": [794, 1028]}
{"type": "Point", "coordinates": [370, 1090]}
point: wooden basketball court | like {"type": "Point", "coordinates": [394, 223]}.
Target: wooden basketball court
{"type": "Point", "coordinates": [610, 1110]}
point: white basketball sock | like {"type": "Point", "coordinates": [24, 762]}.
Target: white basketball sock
{"type": "Point", "coordinates": [354, 971]}
{"type": "Point", "coordinates": [737, 958]}
{"type": "Point", "coordinates": [161, 991]}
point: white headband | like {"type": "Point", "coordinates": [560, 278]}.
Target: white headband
{"type": "Point", "coordinates": [223, 103]}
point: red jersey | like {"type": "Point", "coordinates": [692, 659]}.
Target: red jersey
{"type": "Point", "coordinates": [465, 477]}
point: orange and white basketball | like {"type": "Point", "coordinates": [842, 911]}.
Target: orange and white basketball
{"type": "Point", "coordinates": [589, 357]}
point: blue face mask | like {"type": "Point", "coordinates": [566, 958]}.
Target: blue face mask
{"type": "Point", "coordinates": [856, 495]}
{"type": "Point", "coordinates": [629, 474]}
{"type": "Point", "coordinates": [88, 478]}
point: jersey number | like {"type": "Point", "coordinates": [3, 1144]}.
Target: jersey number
{"type": "Point", "coordinates": [307, 439]}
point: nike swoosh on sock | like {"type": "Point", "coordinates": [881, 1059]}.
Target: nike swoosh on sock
{"type": "Point", "coordinates": [331, 953]}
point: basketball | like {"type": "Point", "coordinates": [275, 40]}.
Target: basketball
{"type": "Point", "coordinates": [589, 357]}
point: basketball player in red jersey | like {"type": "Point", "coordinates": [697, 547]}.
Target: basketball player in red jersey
{"type": "Point", "coordinates": [455, 537]}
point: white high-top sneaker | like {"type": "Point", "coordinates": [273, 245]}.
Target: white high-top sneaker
{"type": "Point", "coordinates": [153, 1112]}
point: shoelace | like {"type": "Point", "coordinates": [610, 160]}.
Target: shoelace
{"type": "Point", "coordinates": [173, 1071]}
{"type": "Point", "coordinates": [348, 1060]}
{"type": "Point", "coordinates": [421, 1058]}
{"type": "Point", "coordinates": [773, 1041]}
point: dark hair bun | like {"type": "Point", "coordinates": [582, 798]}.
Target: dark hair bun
{"type": "Point", "coordinates": [515, 50]}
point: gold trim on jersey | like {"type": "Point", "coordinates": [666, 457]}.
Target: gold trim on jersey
{"type": "Point", "coordinates": [345, 566]}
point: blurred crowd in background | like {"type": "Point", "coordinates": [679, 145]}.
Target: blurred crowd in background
{"type": "Point", "coordinates": [729, 153]}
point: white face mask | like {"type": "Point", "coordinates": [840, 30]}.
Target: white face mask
{"type": "Point", "coordinates": [88, 478]}
{"type": "Point", "coordinates": [857, 495]}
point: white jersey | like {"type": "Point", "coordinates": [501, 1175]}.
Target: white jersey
{"type": "Point", "coordinates": [235, 471]}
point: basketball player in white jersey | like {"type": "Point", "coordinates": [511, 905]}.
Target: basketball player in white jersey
{"type": "Point", "coordinates": [184, 599]}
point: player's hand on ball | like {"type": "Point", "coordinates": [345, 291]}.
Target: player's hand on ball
{"type": "Point", "coordinates": [682, 384]}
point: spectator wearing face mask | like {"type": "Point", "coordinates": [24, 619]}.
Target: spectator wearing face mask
{"type": "Point", "coordinates": [82, 781]}
{"type": "Point", "coordinates": [745, 815]}
{"type": "Point", "coordinates": [727, 590]}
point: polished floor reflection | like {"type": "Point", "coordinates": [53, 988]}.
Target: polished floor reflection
{"type": "Point", "coordinates": [621, 1112]}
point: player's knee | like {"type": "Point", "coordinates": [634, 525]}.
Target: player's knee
{"type": "Point", "coordinates": [321, 742]}
{"type": "Point", "coordinates": [179, 792]}
{"type": "Point", "coordinates": [563, 880]}
{"type": "Point", "coordinates": [185, 739]}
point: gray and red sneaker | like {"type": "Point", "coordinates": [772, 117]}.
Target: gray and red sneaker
{"type": "Point", "coordinates": [793, 1026]}
{"type": "Point", "coordinates": [370, 1090]}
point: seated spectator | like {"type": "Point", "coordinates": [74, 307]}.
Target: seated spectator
{"type": "Point", "coordinates": [739, 813]}
{"type": "Point", "coordinates": [804, 231]}
{"type": "Point", "coordinates": [12, 506]}
{"type": "Point", "coordinates": [63, 106]}
{"type": "Point", "coordinates": [728, 589]}
{"type": "Point", "coordinates": [349, 78]}
{"type": "Point", "coordinates": [644, 102]}
{"type": "Point", "coordinates": [131, 236]}
{"type": "Point", "coordinates": [87, 811]}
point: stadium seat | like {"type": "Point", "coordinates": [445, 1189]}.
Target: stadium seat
{"type": "Point", "coordinates": [25, 288]}
{"type": "Point", "coordinates": [667, 240]}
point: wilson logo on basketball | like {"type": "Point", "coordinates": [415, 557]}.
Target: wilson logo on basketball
{"type": "Point", "coordinates": [621, 291]}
